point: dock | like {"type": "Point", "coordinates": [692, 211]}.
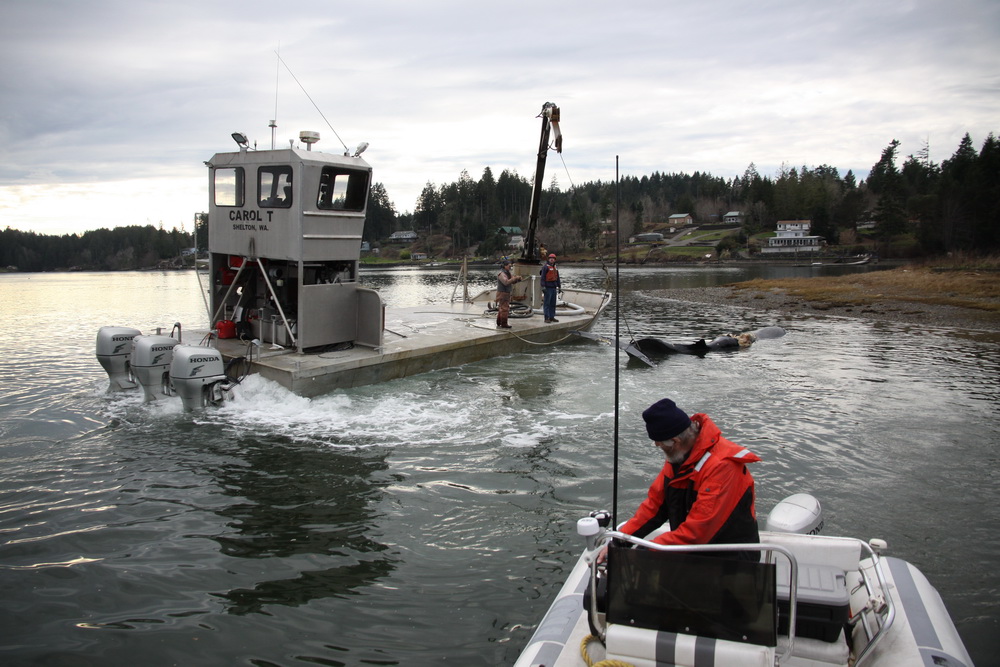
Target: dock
{"type": "Point", "coordinates": [416, 340]}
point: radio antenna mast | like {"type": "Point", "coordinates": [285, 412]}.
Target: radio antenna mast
{"type": "Point", "coordinates": [618, 300]}
{"type": "Point", "coordinates": [277, 72]}
{"type": "Point", "coordinates": [313, 103]}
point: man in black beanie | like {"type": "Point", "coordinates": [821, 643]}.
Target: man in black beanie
{"type": "Point", "coordinates": [704, 489]}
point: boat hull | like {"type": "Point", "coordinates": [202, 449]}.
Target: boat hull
{"type": "Point", "coordinates": [921, 633]}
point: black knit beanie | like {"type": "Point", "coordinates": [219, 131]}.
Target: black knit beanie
{"type": "Point", "coordinates": [664, 420]}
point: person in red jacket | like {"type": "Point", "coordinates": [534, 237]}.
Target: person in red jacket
{"type": "Point", "coordinates": [551, 284]}
{"type": "Point", "coordinates": [704, 489]}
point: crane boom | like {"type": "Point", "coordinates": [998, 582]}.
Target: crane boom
{"type": "Point", "coordinates": [550, 124]}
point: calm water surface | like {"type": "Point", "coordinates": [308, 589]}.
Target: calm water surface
{"type": "Point", "coordinates": [430, 520]}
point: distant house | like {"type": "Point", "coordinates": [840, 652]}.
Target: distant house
{"type": "Point", "coordinates": [793, 236]}
{"type": "Point", "coordinates": [733, 218]}
{"type": "Point", "coordinates": [515, 237]}
{"type": "Point", "coordinates": [419, 255]}
{"type": "Point", "coordinates": [402, 237]}
{"type": "Point", "coordinates": [681, 219]}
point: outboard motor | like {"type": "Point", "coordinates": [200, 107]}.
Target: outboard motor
{"type": "Point", "coordinates": [150, 364]}
{"type": "Point", "coordinates": [198, 376]}
{"type": "Point", "coordinates": [114, 347]}
{"type": "Point", "coordinates": [800, 513]}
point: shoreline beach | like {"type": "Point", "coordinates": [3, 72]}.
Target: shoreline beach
{"type": "Point", "coordinates": [879, 309]}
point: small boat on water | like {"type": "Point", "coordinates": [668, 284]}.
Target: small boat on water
{"type": "Point", "coordinates": [811, 601]}
{"type": "Point", "coordinates": [285, 299]}
{"type": "Point", "coordinates": [846, 261]}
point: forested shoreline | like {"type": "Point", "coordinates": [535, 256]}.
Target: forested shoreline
{"type": "Point", "coordinates": [921, 208]}
{"type": "Point", "coordinates": [118, 249]}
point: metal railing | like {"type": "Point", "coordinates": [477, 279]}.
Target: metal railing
{"type": "Point", "coordinates": [695, 548]}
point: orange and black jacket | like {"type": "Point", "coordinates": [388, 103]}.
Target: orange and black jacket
{"type": "Point", "coordinates": [709, 499]}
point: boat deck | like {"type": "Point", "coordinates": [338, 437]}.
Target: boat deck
{"type": "Point", "coordinates": [416, 340]}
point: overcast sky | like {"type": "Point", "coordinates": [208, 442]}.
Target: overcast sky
{"type": "Point", "coordinates": [109, 108]}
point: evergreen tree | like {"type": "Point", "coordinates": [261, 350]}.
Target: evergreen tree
{"type": "Point", "coordinates": [201, 231]}
{"type": "Point", "coordinates": [958, 200]}
{"type": "Point", "coordinates": [381, 214]}
{"type": "Point", "coordinates": [886, 182]}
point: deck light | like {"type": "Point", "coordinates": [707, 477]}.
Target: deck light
{"type": "Point", "coordinates": [241, 140]}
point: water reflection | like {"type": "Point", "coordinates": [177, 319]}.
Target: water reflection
{"type": "Point", "coordinates": [311, 508]}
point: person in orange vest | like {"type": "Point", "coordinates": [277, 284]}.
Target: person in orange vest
{"type": "Point", "coordinates": [550, 285]}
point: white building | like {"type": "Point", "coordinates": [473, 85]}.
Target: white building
{"type": "Point", "coordinates": [402, 236]}
{"type": "Point", "coordinates": [733, 218]}
{"type": "Point", "coordinates": [793, 237]}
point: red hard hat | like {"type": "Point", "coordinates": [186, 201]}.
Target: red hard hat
{"type": "Point", "coordinates": [552, 256]}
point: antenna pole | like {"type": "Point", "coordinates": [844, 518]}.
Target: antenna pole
{"type": "Point", "coordinates": [618, 301]}
{"type": "Point", "coordinates": [277, 72]}
{"type": "Point", "coordinates": [309, 97]}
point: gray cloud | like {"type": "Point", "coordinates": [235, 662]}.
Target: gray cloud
{"type": "Point", "coordinates": [108, 91]}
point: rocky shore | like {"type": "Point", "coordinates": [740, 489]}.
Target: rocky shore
{"type": "Point", "coordinates": [786, 306]}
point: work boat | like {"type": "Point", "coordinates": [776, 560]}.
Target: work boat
{"type": "Point", "coordinates": [810, 601]}
{"type": "Point", "coordinates": [285, 298]}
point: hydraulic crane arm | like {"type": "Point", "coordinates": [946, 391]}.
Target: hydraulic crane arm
{"type": "Point", "coordinates": [550, 125]}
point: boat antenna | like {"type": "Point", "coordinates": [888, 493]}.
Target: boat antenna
{"type": "Point", "coordinates": [618, 301]}
{"type": "Point", "coordinates": [277, 73]}
{"type": "Point", "coordinates": [281, 60]}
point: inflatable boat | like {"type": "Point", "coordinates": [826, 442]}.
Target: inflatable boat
{"type": "Point", "coordinates": [810, 601]}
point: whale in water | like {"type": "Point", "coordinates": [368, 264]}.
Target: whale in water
{"type": "Point", "coordinates": [643, 348]}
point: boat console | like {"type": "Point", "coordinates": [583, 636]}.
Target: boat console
{"type": "Point", "coordinates": [285, 242]}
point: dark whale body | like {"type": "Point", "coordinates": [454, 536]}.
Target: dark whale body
{"type": "Point", "coordinates": [644, 348]}
{"type": "Point", "coordinates": [662, 347]}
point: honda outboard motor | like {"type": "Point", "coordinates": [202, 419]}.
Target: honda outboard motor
{"type": "Point", "coordinates": [150, 364]}
{"type": "Point", "coordinates": [198, 376]}
{"type": "Point", "coordinates": [799, 513]}
{"type": "Point", "coordinates": [114, 346]}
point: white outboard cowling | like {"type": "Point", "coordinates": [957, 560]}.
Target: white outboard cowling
{"type": "Point", "coordinates": [800, 513]}
{"type": "Point", "coordinates": [150, 363]}
{"type": "Point", "coordinates": [198, 376]}
{"type": "Point", "coordinates": [114, 347]}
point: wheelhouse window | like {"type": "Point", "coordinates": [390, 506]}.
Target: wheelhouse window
{"type": "Point", "coordinates": [274, 187]}
{"type": "Point", "coordinates": [228, 186]}
{"type": "Point", "coordinates": [342, 189]}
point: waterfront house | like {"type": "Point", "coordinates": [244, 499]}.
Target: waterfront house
{"type": "Point", "coordinates": [403, 237]}
{"type": "Point", "coordinates": [793, 237]}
